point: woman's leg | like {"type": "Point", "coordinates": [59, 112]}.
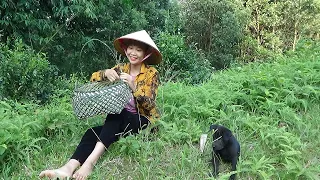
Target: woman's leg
{"type": "Point", "coordinates": [115, 126]}
{"type": "Point", "coordinates": [83, 150]}
{"type": "Point", "coordinates": [132, 123]}
{"type": "Point", "coordinates": [106, 138]}
{"type": "Point", "coordinates": [87, 144]}
{"type": "Point", "coordinates": [87, 167]}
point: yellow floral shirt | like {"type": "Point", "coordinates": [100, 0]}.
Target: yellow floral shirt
{"type": "Point", "coordinates": [147, 82]}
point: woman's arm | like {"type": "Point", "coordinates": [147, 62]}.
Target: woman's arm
{"type": "Point", "coordinates": [107, 74]}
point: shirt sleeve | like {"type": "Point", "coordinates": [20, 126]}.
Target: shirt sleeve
{"type": "Point", "coordinates": [96, 76]}
{"type": "Point", "coordinates": [99, 75]}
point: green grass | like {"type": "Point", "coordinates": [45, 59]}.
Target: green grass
{"type": "Point", "coordinates": [158, 158]}
{"type": "Point", "coordinates": [272, 108]}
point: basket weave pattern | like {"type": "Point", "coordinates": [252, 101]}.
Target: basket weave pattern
{"type": "Point", "coordinates": [100, 98]}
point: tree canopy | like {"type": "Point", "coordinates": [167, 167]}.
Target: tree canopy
{"type": "Point", "coordinates": [77, 35]}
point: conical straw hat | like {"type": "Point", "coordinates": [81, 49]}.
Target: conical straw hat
{"type": "Point", "coordinates": [141, 36]}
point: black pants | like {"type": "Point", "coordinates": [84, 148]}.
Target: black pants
{"type": "Point", "coordinates": [114, 127]}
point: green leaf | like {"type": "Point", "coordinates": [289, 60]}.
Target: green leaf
{"type": "Point", "coordinates": [3, 148]}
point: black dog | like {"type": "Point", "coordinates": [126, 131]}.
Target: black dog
{"type": "Point", "coordinates": [225, 146]}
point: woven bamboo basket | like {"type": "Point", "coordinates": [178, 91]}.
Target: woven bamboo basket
{"type": "Point", "coordinates": [100, 98]}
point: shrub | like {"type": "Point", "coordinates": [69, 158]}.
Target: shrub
{"type": "Point", "coordinates": [25, 74]}
{"type": "Point", "coordinates": [27, 125]}
{"type": "Point", "coordinates": [181, 62]}
{"type": "Point", "coordinates": [216, 26]}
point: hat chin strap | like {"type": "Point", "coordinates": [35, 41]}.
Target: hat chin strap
{"type": "Point", "coordinates": [147, 56]}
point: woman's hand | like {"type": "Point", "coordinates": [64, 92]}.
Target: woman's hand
{"type": "Point", "coordinates": [128, 79]}
{"type": "Point", "coordinates": [111, 75]}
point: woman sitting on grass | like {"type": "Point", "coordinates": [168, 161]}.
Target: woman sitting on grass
{"type": "Point", "coordinates": [143, 80]}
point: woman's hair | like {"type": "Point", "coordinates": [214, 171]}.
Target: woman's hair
{"type": "Point", "coordinates": [131, 42]}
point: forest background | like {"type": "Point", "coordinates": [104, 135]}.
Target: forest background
{"type": "Point", "coordinates": [48, 46]}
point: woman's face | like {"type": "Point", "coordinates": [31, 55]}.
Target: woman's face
{"type": "Point", "coordinates": [135, 54]}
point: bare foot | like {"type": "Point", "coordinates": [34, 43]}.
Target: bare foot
{"type": "Point", "coordinates": [65, 171]}
{"type": "Point", "coordinates": [84, 171]}
{"type": "Point", "coordinates": [60, 173]}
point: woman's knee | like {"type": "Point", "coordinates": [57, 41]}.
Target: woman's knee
{"type": "Point", "coordinates": [93, 132]}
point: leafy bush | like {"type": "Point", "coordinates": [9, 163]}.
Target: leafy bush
{"type": "Point", "coordinates": [216, 27]}
{"type": "Point", "coordinates": [306, 48]}
{"type": "Point", "coordinates": [25, 75]}
{"type": "Point", "coordinates": [251, 51]}
{"type": "Point", "coordinates": [27, 125]}
{"type": "Point", "coordinates": [181, 62]}
{"type": "Point", "coordinates": [61, 28]}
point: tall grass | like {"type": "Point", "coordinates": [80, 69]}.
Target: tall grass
{"type": "Point", "coordinates": [272, 108]}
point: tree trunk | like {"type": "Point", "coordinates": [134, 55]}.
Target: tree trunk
{"type": "Point", "coordinates": [295, 39]}
{"type": "Point", "coordinates": [273, 32]}
{"type": "Point", "coordinates": [257, 26]}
